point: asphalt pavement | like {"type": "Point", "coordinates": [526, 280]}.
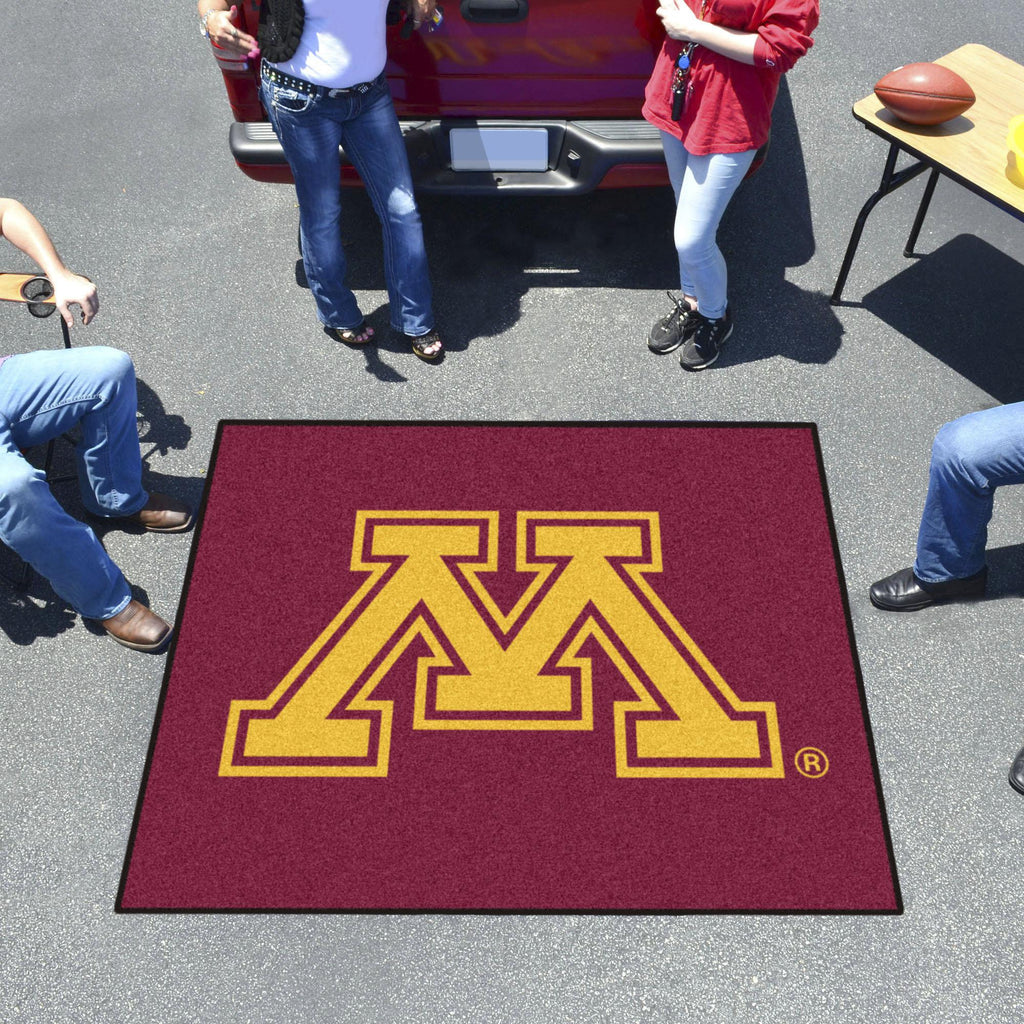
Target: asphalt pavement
{"type": "Point", "coordinates": [113, 130]}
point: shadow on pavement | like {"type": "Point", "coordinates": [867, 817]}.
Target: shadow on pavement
{"type": "Point", "coordinates": [964, 304]}
{"type": "Point", "coordinates": [766, 230]}
{"type": "Point", "coordinates": [486, 253]}
{"type": "Point", "coordinates": [26, 616]}
{"type": "Point", "coordinates": [1005, 571]}
{"type": "Point", "coordinates": [158, 427]}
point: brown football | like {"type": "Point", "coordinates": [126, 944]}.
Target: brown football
{"type": "Point", "coordinates": [924, 93]}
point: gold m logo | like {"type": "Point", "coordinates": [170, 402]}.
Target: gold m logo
{"type": "Point", "coordinates": [484, 669]}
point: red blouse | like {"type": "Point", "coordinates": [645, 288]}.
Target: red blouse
{"type": "Point", "coordinates": [728, 103]}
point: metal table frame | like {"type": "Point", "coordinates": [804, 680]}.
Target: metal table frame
{"type": "Point", "coordinates": [967, 57]}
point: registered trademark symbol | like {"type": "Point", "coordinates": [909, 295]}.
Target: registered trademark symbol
{"type": "Point", "coordinates": [811, 762]}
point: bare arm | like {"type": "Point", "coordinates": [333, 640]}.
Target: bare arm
{"type": "Point", "coordinates": [681, 23]}
{"type": "Point", "coordinates": [24, 232]}
{"type": "Point", "coordinates": [222, 24]}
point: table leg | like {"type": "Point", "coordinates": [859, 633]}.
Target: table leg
{"type": "Point", "coordinates": [891, 180]}
{"type": "Point", "coordinates": [929, 191]}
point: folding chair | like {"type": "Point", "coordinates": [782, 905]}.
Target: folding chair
{"type": "Point", "coordinates": [36, 294]}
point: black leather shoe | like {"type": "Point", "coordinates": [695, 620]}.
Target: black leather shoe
{"type": "Point", "coordinates": [1017, 771]}
{"type": "Point", "coordinates": [904, 592]}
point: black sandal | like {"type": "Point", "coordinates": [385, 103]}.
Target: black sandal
{"type": "Point", "coordinates": [420, 344]}
{"type": "Point", "coordinates": [350, 335]}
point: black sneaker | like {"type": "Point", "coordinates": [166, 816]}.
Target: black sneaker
{"type": "Point", "coordinates": [672, 330]}
{"type": "Point", "coordinates": [703, 347]}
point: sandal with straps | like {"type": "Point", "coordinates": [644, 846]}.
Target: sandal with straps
{"type": "Point", "coordinates": [351, 335]}
{"type": "Point", "coordinates": [420, 344]}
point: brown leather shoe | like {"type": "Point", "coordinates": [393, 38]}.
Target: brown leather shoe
{"type": "Point", "coordinates": [163, 514]}
{"type": "Point", "coordinates": [138, 628]}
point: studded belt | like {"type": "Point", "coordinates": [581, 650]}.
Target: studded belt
{"type": "Point", "coordinates": [271, 74]}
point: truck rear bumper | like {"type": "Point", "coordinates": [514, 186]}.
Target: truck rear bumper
{"type": "Point", "coordinates": [580, 154]}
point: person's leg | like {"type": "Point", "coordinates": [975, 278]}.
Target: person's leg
{"type": "Point", "coordinates": [669, 332]}
{"type": "Point", "coordinates": [61, 549]}
{"type": "Point", "coordinates": [310, 139]}
{"type": "Point", "coordinates": [676, 158]}
{"type": "Point", "coordinates": [971, 457]}
{"type": "Point", "coordinates": [708, 183]}
{"type": "Point", "coordinates": [373, 142]}
{"type": "Point", "coordinates": [44, 394]}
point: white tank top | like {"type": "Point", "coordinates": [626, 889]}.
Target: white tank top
{"type": "Point", "coordinates": [342, 43]}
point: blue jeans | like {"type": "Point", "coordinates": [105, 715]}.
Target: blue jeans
{"type": "Point", "coordinates": [311, 128]}
{"type": "Point", "coordinates": [43, 395]}
{"type": "Point", "coordinates": [971, 457]}
{"type": "Point", "coordinates": [703, 186]}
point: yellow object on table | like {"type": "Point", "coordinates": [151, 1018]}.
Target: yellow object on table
{"type": "Point", "coordinates": [1015, 159]}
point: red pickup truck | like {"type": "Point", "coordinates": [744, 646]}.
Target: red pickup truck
{"type": "Point", "coordinates": [532, 97]}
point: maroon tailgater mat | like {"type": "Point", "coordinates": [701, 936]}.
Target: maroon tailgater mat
{"type": "Point", "coordinates": [499, 667]}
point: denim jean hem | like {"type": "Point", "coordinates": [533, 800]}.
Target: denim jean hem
{"type": "Point", "coordinates": [120, 607]}
{"type": "Point", "coordinates": [951, 578]}
{"type": "Point", "coordinates": [120, 513]}
{"type": "Point", "coordinates": [339, 327]}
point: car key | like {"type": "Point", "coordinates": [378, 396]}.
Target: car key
{"type": "Point", "coordinates": [679, 81]}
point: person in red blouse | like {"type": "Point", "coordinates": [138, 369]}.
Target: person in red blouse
{"type": "Point", "coordinates": [711, 95]}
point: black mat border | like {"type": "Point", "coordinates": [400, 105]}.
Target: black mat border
{"type": "Point", "coordinates": [119, 908]}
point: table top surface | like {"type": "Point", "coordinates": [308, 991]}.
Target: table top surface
{"type": "Point", "coordinates": [973, 146]}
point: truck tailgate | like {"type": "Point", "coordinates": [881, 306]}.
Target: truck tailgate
{"type": "Point", "coordinates": [563, 58]}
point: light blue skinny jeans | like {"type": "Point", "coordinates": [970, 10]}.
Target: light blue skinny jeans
{"type": "Point", "coordinates": [310, 129]}
{"type": "Point", "coordinates": [971, 457]}
{"type": "Point", "coordinates": [703, 186]}
{"type": "Point", "coordinates": [43, 395]}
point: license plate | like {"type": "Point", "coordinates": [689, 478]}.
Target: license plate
{"type": "Point", "coordinates": [499, 149]}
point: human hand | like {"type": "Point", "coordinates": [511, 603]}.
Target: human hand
{"type": "Point", "coordinates": [223, 29]}
{"type": "Point", "coordinates": [421, 11]}
{"type": "Point", "coordinates": [679, 21]}
{"type": "Point", "coordinates": [74, 290]}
